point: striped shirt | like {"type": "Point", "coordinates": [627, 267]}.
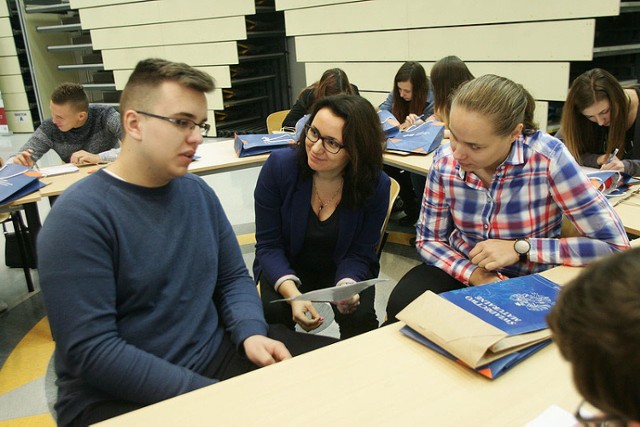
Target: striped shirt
{"type": "Point", "coordinates": [538, 182]}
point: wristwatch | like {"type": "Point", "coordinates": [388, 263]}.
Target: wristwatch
{"type": "Point", "coordinates": [522, 247]}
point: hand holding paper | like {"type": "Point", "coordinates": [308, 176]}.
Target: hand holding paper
{"type": "Point", "coordinates": [334, 294]}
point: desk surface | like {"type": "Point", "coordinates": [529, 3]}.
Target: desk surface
{"type": "Point", "coordinates": [378, 378]}
{"type": "Point", "coordinates": [415, 163]}
{"type": "Point", "coordinates": [219, 156]}
{"type": "Point", "coordinates": [216, 156]}
{"type": "Point", "coordinates": [629, 212]}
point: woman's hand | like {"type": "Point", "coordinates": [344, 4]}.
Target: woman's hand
{"type": "Point", "coordinates": [493, 254]}
{"type": "Point", "coordinates": [305, 315]}
{"type": "Point", "coordinates": [350, 305]}
{"type": "Point", "coordinates": [412, 119]}
{"type": "Point", "coordinates": [480, 276]}
{"type": "Point", "coordinates": [615, 164]}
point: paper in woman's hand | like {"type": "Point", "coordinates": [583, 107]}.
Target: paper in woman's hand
{"type": "Point", "coordinates": [334, 293]}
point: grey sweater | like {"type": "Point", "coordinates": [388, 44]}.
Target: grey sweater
{"type": "Point", "coordinates": [101, 132]}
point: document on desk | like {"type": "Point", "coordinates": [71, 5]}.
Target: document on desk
{"type": "Point", "coordinates": [59, 170]}
{"type": "Point", "coordinates": [334, 293]}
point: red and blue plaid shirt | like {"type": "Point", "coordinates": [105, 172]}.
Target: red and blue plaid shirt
{"type": "Point", "coordinates": [531, 190]}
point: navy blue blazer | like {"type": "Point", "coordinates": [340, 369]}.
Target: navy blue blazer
{"type": "Point", "coordinates": [282, 208]}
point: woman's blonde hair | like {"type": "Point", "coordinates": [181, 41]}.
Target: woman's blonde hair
{"type": "Point", "coordinates": [505, 102]}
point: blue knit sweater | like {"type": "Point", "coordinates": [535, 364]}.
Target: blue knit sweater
{"type": "Point", "coordinates": [139, 286]}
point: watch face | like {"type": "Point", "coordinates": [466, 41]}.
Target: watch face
{"type": "Point", "coordinates": [522, 246]}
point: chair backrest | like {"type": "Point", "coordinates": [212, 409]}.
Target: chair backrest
{"type": "Point", "coordinates": [274, 120]}
{"type": "Point", "coordinates": [394, 190]}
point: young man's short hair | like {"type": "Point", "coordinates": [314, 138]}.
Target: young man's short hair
{"type": "Point", "coordinates": [151, 73]}
{"type": "Point", "coordinates": [71, 93]}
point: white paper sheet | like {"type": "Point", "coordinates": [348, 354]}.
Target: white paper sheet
{"type": "Point", "coordinates": [59, 170]}
{"type": "Point", "coordinates": [334, 293]}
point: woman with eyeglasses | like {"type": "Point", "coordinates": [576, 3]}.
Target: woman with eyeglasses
{"type": "Point", "coordinates": [319, 211]}
{"type": "Point", "coordinates": [600, 125]}
{"type": "Point", "coordinates": [596, 324]}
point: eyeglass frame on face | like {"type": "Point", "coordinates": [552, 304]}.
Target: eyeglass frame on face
{"type": "Point", "coordinates": [597, 420]}
{"type": "Point", "coordinates": [326, 140]}
{"type": "Point", "coordinates": [184, 124]}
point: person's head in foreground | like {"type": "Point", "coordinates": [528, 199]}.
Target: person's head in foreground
{"type": "Point", "coordinates": [596, 325]}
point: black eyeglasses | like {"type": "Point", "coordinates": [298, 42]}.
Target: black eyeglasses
{"type": "Point", "coordinates": [328, 143]}
{"type": "Point", "coordinates": [184, 124]}
{"type": "Point", "coordinates": [590, 416]}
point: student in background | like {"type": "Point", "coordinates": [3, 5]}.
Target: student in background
{"type": "Point", "coordinates": [153, 298]}
{"type": "Point", "coordinates": [410, 101]}
{"type": "Point", "coordinates": [496, 196]}
{"type": "Point", "coordinates": [333, 82]}
{"type": "Point", "coordinates": [599, 117]}
{"type": "Point", "coordinates": [411, 97]}
{"type": "Point", "coordinates": [596, 324]}
{"type": "Point", "coordinates": [74, 125]}
{"type": "Point", "coordinates": [447, 75]}
{"type": "Point", "coordinates": [319, 212]}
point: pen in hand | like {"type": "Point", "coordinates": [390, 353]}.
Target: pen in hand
{"type": "Point", "coordinates": [611, 157]}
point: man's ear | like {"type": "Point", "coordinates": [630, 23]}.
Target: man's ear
{"type": "Point", "coordinates": [82, 116]}
{"type": "Point", "coordinates": [132, 124]}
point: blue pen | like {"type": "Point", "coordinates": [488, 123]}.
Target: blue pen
{"type": "Point", "coordinates": [612, 156]}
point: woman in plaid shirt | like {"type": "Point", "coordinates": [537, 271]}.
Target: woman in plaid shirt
{"type": "Point", "coordinates": [495, 198]}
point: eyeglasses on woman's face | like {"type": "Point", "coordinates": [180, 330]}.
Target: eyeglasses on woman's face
{"type": "Point", "coordinates": [330, 144]}
{"type": "Point", "coordinates": [184, 124]}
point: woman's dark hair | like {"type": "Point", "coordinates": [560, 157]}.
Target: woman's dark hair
{"type": "Point", "coordinates": [578, 132]}
{"type": "Point", "coordinates": [596, 324]}
{"type": "Point", "coordinates": [412, 72]}
{"type": "Point", "coordinates": [333, 82]}
{"type": "Point", "coordinates": [363, 140]}
{"type": "Point", "coordinates": [446, 75]}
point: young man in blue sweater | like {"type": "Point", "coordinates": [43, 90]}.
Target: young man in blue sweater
{"type": "Point", "coordinates": [146, 290]}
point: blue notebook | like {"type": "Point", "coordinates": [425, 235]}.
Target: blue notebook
{"type": "Point", "coordinates": [17, 181]}
{"type": "Point", "coordinates": [515, 306]}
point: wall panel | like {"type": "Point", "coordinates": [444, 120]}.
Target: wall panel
{"type": "Point", "coordinates": [220, 74]}
{"type": "Point", "coordinates": [194, 55]}
{"type": "Point", "coordinates": [155, 12]}
{"type": "Point", "coordinates": [202, 31]}
{"type": "Point", "coordinates": [296, 4]}
{"type": "Point", "coordinates": [394, 14]}
{"type": "Point", "coordinates": [527, 42]}
{"type": "Point", "coordinates": [552, 88]}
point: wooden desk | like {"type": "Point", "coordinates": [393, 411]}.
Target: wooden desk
{"type": "Point", "coordinates": [219, 156]}
{"type": "Point", "coordinates": [378, 378]}
{"type": "Point", "coordinates": [413, 163]}
{"type": "Point", "coordinates": [629, 212]}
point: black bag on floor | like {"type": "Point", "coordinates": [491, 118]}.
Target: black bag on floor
{"type": "Point", "coordinates": [12, 250]}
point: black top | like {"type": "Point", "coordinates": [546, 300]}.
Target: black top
{"type": "Point", "coordinates": [314, 264]}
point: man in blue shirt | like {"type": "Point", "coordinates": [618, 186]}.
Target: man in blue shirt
{"type": "Point", "coordinates": [152, 298]}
